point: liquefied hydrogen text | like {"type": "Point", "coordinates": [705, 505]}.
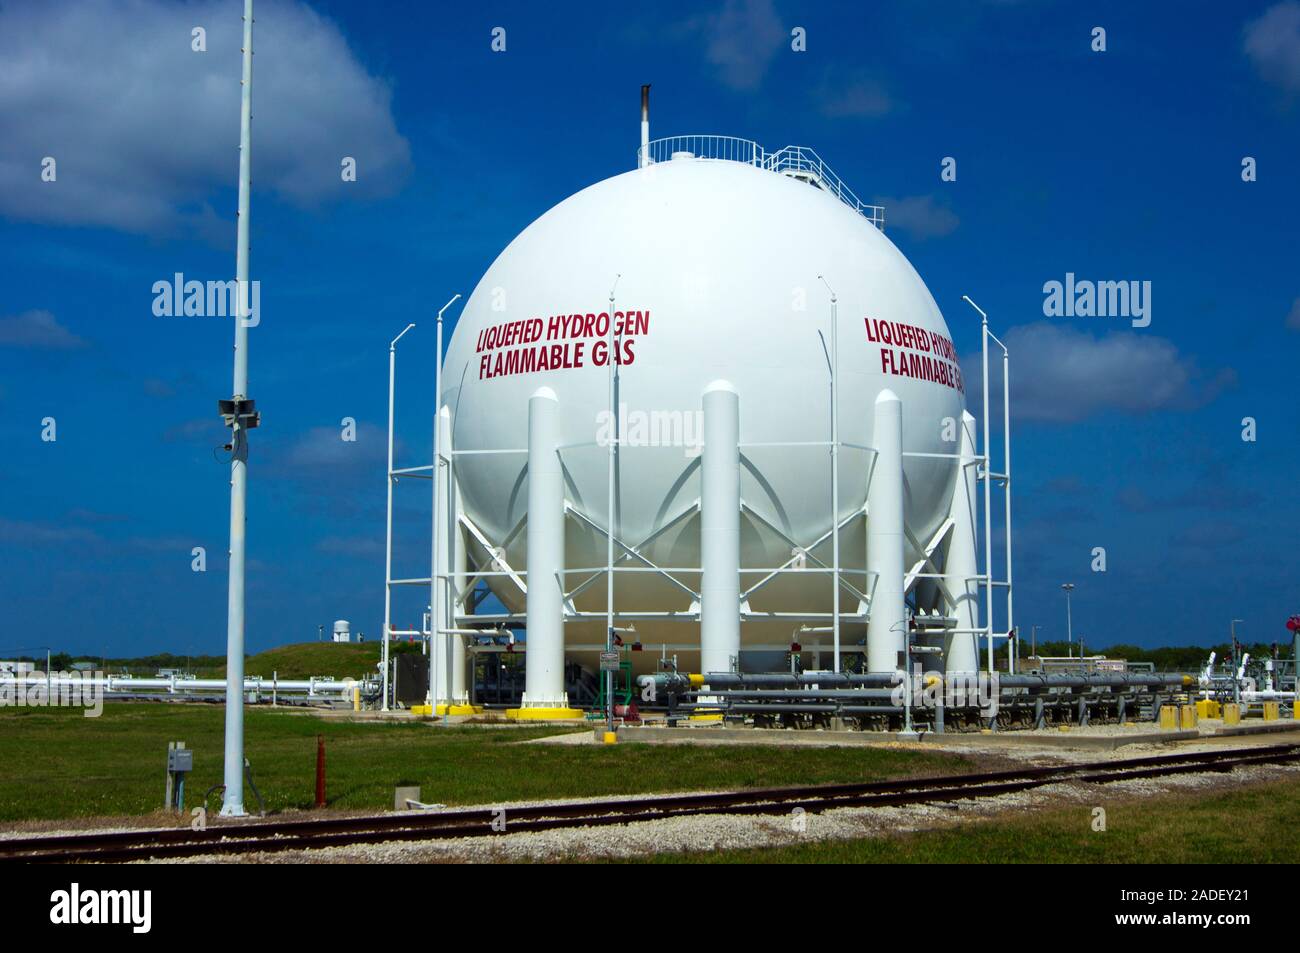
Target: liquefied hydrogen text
{"type": "Point", "coordinates": [912, 351]}
{"type": "Point", "coordinates": [563, 342]}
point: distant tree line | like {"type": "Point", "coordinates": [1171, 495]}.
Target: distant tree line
{"type": "Point", "coordinates": [148, 664]}
{"type": "Point", "coordinates": [63, 661]}
{"type": "Point", "coordinates": [1166, 658]}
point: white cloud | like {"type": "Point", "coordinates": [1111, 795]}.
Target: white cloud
{"type": "Point", "coordinates": [38, 330]}
{"type": "Point", "coordinates": [201, 430]}
{"type": "Point", "coordinates": [327, 466]}
{"type": "Point", "coordinates": [852, 95]}
{"type": "Point", "coordinates": [325, 448]}
{"type": "Point", "coordinates": [1061, 374]}
{"type": "Point", "coordinates": [34, 533]}
{"type": "Point", "coordinates": [358, 546]}
{"type": "Point", "coordinates": [144, 130]}
{"type": "Point", "coordinates": [1272, 43]}
{"type": "Point", "coordinates": [1293, 319]}
{"type": "Point", "coordinates": [743, 39]}
{"type": "Point", "coordinates": [920, 216]}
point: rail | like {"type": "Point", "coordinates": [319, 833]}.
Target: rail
{"type": "Point", "coordinates": [796, 162]}
{"type": "Point", "coordinates": [446, 824]}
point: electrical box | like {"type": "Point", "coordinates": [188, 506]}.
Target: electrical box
{"type": "Point", "coordinates": [180, 759]}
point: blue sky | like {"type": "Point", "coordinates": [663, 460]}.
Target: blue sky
{"type": "Point", "coordinates": [1117, 165]}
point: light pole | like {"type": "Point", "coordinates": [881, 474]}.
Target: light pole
{"type": "Point", "coordinates": [433, 478]}
{"type": "Point", "coordinates": [388, 539]}
{"type": "Point", "coordinates": [240, 417]}
{"type": "Point", "coordinates": [986, 464]}
{"type": "Point", "coordinates": [612, 465]}
{"type": "Point", "coordinates": [1236, 656]}
{"type": "Point", "coordinates": [1069, 628]}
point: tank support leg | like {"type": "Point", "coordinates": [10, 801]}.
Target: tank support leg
{"type": "Point", "coordinates": [544, 648]}
{"type": "Point", "coordinates": [443, 617]}
{"type": "Point", "coordinates": [961, 653]}
{"type": "Point", "coordinates": [885, 538]}
{"type": "Point", "coordinates": [720, 530]}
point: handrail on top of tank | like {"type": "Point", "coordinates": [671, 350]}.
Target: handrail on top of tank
{"type": "Point", "coordinates": [727, 148]}
{"type": "Point", "coordinates": [798, 162]}
{"type": "Point", "coordinates": [803, 162]}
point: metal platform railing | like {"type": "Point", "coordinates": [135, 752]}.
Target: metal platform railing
{"type": "Point", "coordinates": [800, 162]}
{"type": "Point", "coordinates": [727, 148]}
{"type": "Point", "coordinates": [797, 162]}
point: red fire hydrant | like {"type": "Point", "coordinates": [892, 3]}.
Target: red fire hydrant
{"type": "Point", "coordinates": [320, 770]}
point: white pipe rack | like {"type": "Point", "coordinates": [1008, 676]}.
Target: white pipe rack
{"type": "Point", "coordinates": [315, 687]}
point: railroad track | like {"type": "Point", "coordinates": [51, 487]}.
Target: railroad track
{"type": "Point", "coordinates": [263, 837]}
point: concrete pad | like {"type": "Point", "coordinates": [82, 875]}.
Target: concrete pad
{"type": "Point", "coordinates": [1076, 739]}
{"type": "Point", "coordinates": [568, 738]}
{"type": "Point", "coordinates": [1261, 728]}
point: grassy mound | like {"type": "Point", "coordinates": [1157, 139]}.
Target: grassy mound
{"type": "Point", "coordinates": [304, 659]}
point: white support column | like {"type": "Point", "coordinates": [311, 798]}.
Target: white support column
{"type": "Point", "coordinates": [885, 629]}
{"type": "Point", "coordinates": [544, 648]}
{"type": "Point", "coordinates": [720, 529]}
{"type": "Point", "coordinates": [459, 564]}
{"type": "Point", "coordinates": [961, 649]}
{"type": "Point", "coordinates": [445, 526]}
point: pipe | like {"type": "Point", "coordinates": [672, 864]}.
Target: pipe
{"type": "Point", "coordinates": [1095, 679]}
{"type": "Point", "coordinates": [110, 684]}
{"type": "Point", "coordinates": [1268, 695]}
{"type": "Point", "coordinates": [791, 694]}
{"type": "Point", "coordinates": [800, 709]}
{"type": "Point", "coordinates": [645, 127]}
{"type": "Point", "coordinates": [725, 680]}
{"type": "Point", "coordinates": [871, 710]}
{"type": "Point", "coordinates": [748, 708]}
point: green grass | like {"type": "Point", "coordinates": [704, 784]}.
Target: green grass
{"type": "Point", "coordinates": [1256, 824]}
{"type": "Point", "coordinates": [59, 764]}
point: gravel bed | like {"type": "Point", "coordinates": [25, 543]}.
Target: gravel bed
{"type": "Point", "coordinates": [730, 832]}
{"type": "Point", "coordinates": [719, 832]}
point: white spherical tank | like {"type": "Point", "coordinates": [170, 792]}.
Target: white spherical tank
{"type": "Point", "coordinates": [717, 266]}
